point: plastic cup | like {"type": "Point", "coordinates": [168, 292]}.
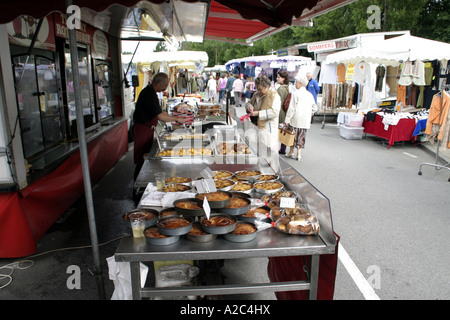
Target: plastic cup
{"type": "Point", "coordinates": [160, 180]}
{"type": "Point", "coordinates": [137, 221]}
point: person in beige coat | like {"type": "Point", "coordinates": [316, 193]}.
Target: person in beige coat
{"type": "Point", "coordinates": [264, 109]}
{"type": "Point", "coordinates": [301, 109]}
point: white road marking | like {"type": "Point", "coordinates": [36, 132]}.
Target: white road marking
{"type": "Point", "coordinates": [409, 154]}
{"type": "Point", "coordinates": [359, 279]}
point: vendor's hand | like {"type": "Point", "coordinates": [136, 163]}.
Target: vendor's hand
{"type": "Point", "coordinates": [182, 120]}
{"type": "Point", "coordinates": [250, 109]}
{"type": "Point", "coordinates": [254, 113]}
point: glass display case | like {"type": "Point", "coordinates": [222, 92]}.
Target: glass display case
{"type": "Point", "coordinates": [103, 89]}
{"type": "Point", "coordinates": [87, 96]}
{"type": "Point", "coordinates": [38, 103]}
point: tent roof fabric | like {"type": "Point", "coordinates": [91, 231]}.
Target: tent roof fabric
{"type": "Point", "coordinates": [392, 51]}
{"type": "Point", "coordinates": [268, 58]}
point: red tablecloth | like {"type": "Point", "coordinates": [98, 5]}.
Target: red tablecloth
{"type": "Point", "coordinates": [401, 132]}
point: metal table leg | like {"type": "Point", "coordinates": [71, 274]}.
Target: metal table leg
{"type": "Point", "coordinates": [314, 277]}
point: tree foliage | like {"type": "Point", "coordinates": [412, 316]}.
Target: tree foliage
{"type": "Point", "coordinates": [424, 18]}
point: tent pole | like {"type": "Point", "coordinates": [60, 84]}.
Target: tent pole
{"type": "Point", "coordinates": [84, 157]}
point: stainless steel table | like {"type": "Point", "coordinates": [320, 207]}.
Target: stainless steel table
{"type": "Point", "coordinates": [268, 243]}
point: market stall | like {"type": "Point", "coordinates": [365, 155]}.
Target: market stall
{"type": "Point", "coordinates": [183, 67]}
{"type": "Point", "coordinates": [272, 234]}
{"type": "Point", "coordinates": [252, 67]}
{"type": "Point", "coordinates": [420, 73]}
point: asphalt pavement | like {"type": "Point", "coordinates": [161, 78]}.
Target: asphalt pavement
{"type": "Point", "coordinates": [393, 225]}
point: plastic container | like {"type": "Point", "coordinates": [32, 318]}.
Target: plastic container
{"type": "Point", "coordinates": [354, 120]}
{"type": "Point", "coordinates": [351, 133]}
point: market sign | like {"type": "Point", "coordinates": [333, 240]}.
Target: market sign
{"type": "Point", "coordinates": [332, 45]}
{"type": "Point", "coordinates": [322, 46]}
{"type": "Point", "coordinates": [22, 29]}
{"type": "Point", "coordinates": [86, 34]}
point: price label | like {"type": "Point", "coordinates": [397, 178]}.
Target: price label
{"type": "Point", "coordinates": [207, 208]}
{"type": "Point", "coordinates": [286, 202]}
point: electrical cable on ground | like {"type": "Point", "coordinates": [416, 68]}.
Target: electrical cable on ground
{"type": "Point", "coordinates": [20, 263]}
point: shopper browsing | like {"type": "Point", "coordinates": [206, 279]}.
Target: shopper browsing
{"type": "Point", "coordinates": [264, 108]}
{"type": "Point", "coordinates": [301, 109]}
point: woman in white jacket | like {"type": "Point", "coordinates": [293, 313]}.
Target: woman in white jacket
{"type": "Point", "coordinates": [301, 109]}
{"type": "Point", "coordinates": [264, 108]}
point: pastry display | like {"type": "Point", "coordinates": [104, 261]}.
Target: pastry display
{"type": "Point", "coordinates": [187, 204]}
{"type": "Point", "coordinates": [173, 223]}
{"type": "Point", "coordinates": [254, 212]}
{"type": "Point", "coordinates": [247, 174]}
{"type": "Point", "coordinates": [214, 196]}
{"type": "Point", "coordinates": [227, 148]}
{"type": "Point", "coordinates": [185, 152]}
{"type": "Point", "coordinates": [145, 213]}
{"type": "Point", "coordinates": [168, 212]}
{"type": "Point", "coordinates": [277, 212]}
{"type": "Point", "coordinates": [237, 202]}
{"type": "Point", "coordinates": [242, 186]}
{"type": "Point", "coordinates": [222, 174]}
{"type": "Point", "coordinates": [176, 187]}
{"type": "Point", "coordinates": [178, 180]}
{"type": "Point", "coordinates": [218, 221]}
{"type": "Point", "coordinates": [243, 228]}
{"type": "Point", "coordinates": [268, 185]}
{"type": "Point", "coordinates": [298, 224]}
{"type": "Point", "coordinates": [267, 177]}
{"type": "Point", "coordinates": [153, 232]}
{"type": "Point", "coordinates": [223, 183]}
{"type": "Point", "coordinates": [197, 230]}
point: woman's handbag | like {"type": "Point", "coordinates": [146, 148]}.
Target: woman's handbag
{"type": "Point", "coordinates": [286, 136]}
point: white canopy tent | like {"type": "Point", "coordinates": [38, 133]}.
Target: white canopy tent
{"type": "Point", "coordinates": [392, 51]}
{"type": "Point", "coordinates": [183, 59]}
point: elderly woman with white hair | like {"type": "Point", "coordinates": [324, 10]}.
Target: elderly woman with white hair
{"type": "Point", "coordinates": [301, 108]}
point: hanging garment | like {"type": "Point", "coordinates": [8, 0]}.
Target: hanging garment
{"type": "Point", "coordinates": [401, 94]}
{"type": "Point", "coordinates": [360, 73]}
{"type": "Point", "coordinates": [380, 72]}
{"type": "Point", "coordinates": [437, 124]}
{"type": "Point", "coordinates": [341, 73]}
{"type": "Point", "coordinates": [412, 73]}
{"type": "Point", "coordinates": [328, 74]}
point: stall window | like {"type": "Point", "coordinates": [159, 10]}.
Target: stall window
{"type": "Point", "coordinates": [38, 103]}
{"type": "Point", "coordinates": [103, 89]}
{"type": "Point", "coordinates": [90, 116]}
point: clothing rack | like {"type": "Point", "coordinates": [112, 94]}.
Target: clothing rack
{"type": "Point", "coordinates": [436, 165]}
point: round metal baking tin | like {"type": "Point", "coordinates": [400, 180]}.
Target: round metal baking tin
{"type": "Point", "coordinates": [160, 241]}
{"type": "Point", "coordinates": [215, 204]}
{"type": "Point", "coordinates": [240, 176]}
{"type": "Point", "coordinates": [229, 174]}
{"type": "Point", "coordinates": [188, 212]}
{"type": "Point", "coordinates": [167, 212]}
{"type": "Point", "coordinates": [266, 191]}
{"type": "Point", "coordinates": [174, 231]}
{"type": "Point", "coordinates": [274, 177]}
{"type": "Point", "coordinates": [219, 229]}
{"type": "Point", "coordinates": [249, 191]}
{"type": "Point", "coordinates": [241, 194]}
{"type": "Point", "coordinates": [241, 237]}
{"type": "Point", "coordinates": [237, 211]}
{"type": "Point", "coordinates": [147, 222]}
{"type": "Point", "coordinates": [253, 218]}
{"type": "Point", "coordinates": [187, 187]}
{"type": "Point", "coordinates": [207, 237]}
{"type": "Point", "coordinates": [227, 188]}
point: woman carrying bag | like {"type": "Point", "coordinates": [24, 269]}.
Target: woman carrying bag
{"type": "Point", "coordinates": [283, 91]}
{"type": "Point", "coordinates": [301, 108]}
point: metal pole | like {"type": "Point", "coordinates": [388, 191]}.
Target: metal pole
{"type": "Point", "coordinates": [84, 157]}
